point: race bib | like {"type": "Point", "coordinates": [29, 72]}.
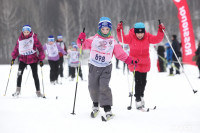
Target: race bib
{"type": "Point", "coordinates": [74, 58]}
{"type": "Point", "coordinates": [52, 50]}
{"type": "Point", "coordinates": [61, 44]}
{"type": "Point", "coordinates": [101, 52]}
{"type": "Point", "coordinates": [26, 46]}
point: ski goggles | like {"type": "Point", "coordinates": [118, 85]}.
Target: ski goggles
{"type": "Point", "coordinates": [26, 28]}
{"type": "Point", "coordinates": [51, 39]}
{"type": "Point", "coordinates": [59, 37]}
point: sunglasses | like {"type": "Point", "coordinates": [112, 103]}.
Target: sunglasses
{"type": "Point", "coordinates": [51, 40]}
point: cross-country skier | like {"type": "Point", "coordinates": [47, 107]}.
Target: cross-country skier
{"type": "Point", "coordinates": [52, 50]}
{"type": "Point", "coordinates": [60, 42]}
{"type": "Point", "coordinates": [27, 46]}
{"type": "Point", "coordinates": [74, 62]}
{"type": "Point", "coordinates": [139, 41]}
{"type": "Point", "coordinates": [102, 46]}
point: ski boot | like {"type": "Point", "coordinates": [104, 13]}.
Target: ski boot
{"type": "Point", "coordinates": [109, 116]}
{"type": "Point", "coordinates": [53, 82]}
{"type": "Point", "coordinates": [143, 103]}
{"type": "Point", "coordinates": [95, 111]}
{"type": "Point", "coordinates": [61, 80]}
{"type": "Point", "coordinates": [39, 94]}
{"type": "Point", "coordinates": [18, 91]}
{"type": "Point", "coordinates": [171, 74]}
{"type": "Point", "coordinates": [138, 104]}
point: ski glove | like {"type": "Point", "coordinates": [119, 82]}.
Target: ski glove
{"type": "Point", "coordinates": [119, 27]}
{"type": "Point", "coordinates": [135, 62]}
{"type": "Point", "coordinates": [12, 62]}
{"type": "Point", "coordinates": [131, 61]}
{"type": "Point", "coordinates": [161, 27]}
{"type": "Point", "coordinates": [41, 64]}
{"type": "Point", "coordinates": [81, 37]}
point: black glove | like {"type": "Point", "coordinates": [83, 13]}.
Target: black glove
{"type": "Point", "coordinates": [12, 62]}
{"type": "Point", "coordinates": [135, 62]}
{"type": "Point", "coordinates": [41, 64]}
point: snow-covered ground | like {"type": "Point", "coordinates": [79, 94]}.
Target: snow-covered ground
{"type": "Point", "coordinates": [178, 109]}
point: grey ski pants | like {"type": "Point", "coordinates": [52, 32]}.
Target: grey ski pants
{"type": "Point", "coordinates": [99, 78]}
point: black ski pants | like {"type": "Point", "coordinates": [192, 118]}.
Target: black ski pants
{"type": "Point", "coordinates": [73, 70]}
{"type": "Point", "coordinates": [60, 67]}
{"type": "Point", "coordinates": [22, 65]}
{"type": "Point", "coordinates": [53, 70]}
{"type": "Point", "coordinates": [140, 83]}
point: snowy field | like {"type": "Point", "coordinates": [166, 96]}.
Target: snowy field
{"type": "Point", "coordinates": [178, 108]}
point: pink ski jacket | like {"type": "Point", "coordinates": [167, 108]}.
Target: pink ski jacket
{"type": "Point", "coordinates": [117, 51]}
{"type": "Point", "coordinates": [33, 58]}
{"type": "Point", "coordinates": [139, 49]}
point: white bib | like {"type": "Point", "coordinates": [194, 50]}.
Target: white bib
{"type": "Point", "coordinates": [61, 44]}
{"type": "Point", "coordinates": [74, 58]}
{"type": "Point", "coordinates": [52, 50]}
{"type": "Point", "coordinates": [26, 46]}
{"type": "Point", "coordinates": [101, 52]}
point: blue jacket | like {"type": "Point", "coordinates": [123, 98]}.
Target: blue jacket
{"type": "Point", "coordinates": [169, 53]}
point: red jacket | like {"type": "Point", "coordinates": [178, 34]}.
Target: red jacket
{"type": "Point", "coordinates": [139, 49]}
{"type": "Point", "coordinates": [33, 58]}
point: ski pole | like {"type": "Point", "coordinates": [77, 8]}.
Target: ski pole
{"type": "Point", "coordinates": [122, 36]}
{"type": "Point", "coordinates": [130, 107]}
{"type": "Point", "coordinates": [77, 77]}
{"type": "Point", "coordinates": [42, 83]}
{"type": "Point", "coordinates": [123, 49]}
{"type": "Point", "coordinates": [8, 80]}
{"type": "Point", "coordinates": [27, 76]}
{"type": "Point", "coordinates": [178, 60]}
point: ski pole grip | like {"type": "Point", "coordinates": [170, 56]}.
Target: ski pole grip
{"type": "Point", "coordinates": [159, 21]}
{"type": "Point", "coordinates": [82, 39]}
{"type": "Point", "coordinates": [84, 29]}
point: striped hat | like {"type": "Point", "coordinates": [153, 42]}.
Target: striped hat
{"type": "Point", "coordinates": [51, 38]}
{"type": "Point", "coordinates": [105, 22]}
{"type": "Point", "coordinates": [60, 37]}
{"type": "Point", "coordinates": [26, 28]}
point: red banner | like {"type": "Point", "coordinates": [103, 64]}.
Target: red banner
{"type": "Point", "coordinates": [187, 34]}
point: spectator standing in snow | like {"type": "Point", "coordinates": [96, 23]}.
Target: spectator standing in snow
{"type": "Point", "coordinates": [197, 53]}
{"type": "Point", "coordinates": [176, 47]}
{"type": "Point", "coordinates": [169, 54]}
{"type": "Point", "coordinates": [161, 58]}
